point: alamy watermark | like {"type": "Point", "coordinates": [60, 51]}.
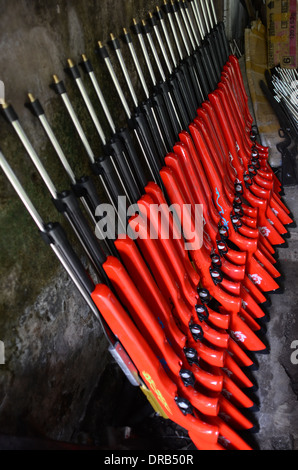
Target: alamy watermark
{"type": "Point", "coordinates": [2, 92]}
{"type": "Point", "coordinates": [145, 220]}
{"type": "Point", "coordinates": [2, 353]}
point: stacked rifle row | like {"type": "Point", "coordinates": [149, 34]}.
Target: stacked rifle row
{"type": "Point", "coordinates": [181, 320]}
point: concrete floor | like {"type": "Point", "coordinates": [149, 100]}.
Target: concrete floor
{"type": "Point", "coordinates": [277, 375]}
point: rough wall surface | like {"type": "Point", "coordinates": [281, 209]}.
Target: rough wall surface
{"type": "Point", "coordinates": [54, 348]}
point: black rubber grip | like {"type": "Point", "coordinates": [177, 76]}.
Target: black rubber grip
{"type": "Point", "coordinates": [147, 110]}
{"type": "Point", "coordinates": [68, 204]}
{"type": "Point", "coordinates": [86, 66]}
{"type": "Point", "coordinates": [185, 94]}
{"type": "Point", "coordinates": [208, 68]}
{"type": "Point", "coordinates": [221, 28]}
{"type": "Point", "coordinates": [187, 67]}
{"type": "Point", "coordinates": [84, 187]}
{"type": "Point", "coordinates": [103, 52]}
{"type": "Point", "coordinates": [159, 14]}
{"type": "Point", "coordinates": [139, 123]}
{"type": "Point", "coordinates": [73, 71]}
{"type": "Point", "coordinates": [103, 167]}
{"type": "Point", "coordinates": [127, 37]}
{"type": "Point", "coordinates": [218, 46]}
{"type": "Point", "coordinates": [116, 150]}
{"type": "Point", "coordinates": [201, 74]}
{"type": "Point", "coordinates": [212, 62]}
{"type": "Point", "coordinates": [9, 113]}
{"type": "Point", "coordinates": [175, 7]}
{"type": "Point", "coordinates": [146, 28]}
{"type": "Point", "coordinates": [179, 102]}
{"type": "Point", "coordinates": [115, 43]}
{"type": "Point", "coordinates": [165, 90]}
{"type": "Point", "coordinates": [35, 107]}
{"type": "Point", "coordinates": [124, 134]}
{"type": "Point", "coordinates": [137, 28]}
{"type": "Point", "coordinates": [214, 57]}
{"type": "Point", "coordinates": [152, 20]}
{"type": "Point", "coordinates": [167, 8]}
{"type": "Point", "coordinates": [196, 85]}
{"type": "Point", "coordinates": [59, 87]}
{"type": "Point", "coordinates": [164, 119]}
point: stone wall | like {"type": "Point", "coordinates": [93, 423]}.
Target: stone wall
{"type": "Point", "coordinates": [55, 352]}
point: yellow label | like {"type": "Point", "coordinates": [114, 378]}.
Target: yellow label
{"type": "Point", "coordinates": [153, 401]}
{"type": "Point", "coordinates": [156, 391]}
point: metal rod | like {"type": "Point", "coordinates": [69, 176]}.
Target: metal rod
{"type": "Point", "coordinates": [161, 45]}
{"type": "Point", "coordinates": [167, 37]}
{"type": "Point", "coordinates": [154, 51]}
{"type": "Point", "coordinates": [100, 96]}
{"type": "Point", "coordinates": [46, 126]}
{"type": "Point", "coordinates": [174, 31]}
{"type": "Point", "coordinates": [191, 23]}
{"type": "Point", "coordinates": [89, 105]}
{"type": "Point", "coordinates": [116, 83]}
{"type": "Point", "coordinates": [137, 65]}
{"type": "Point", "coordinates": [209, 14]}
{"type": "Point", "coordinates": [76, 122]}
{"type": "Point", "coordinates": [214, 11]}
{"type": "Point", "coordinates": [48, 130]}
{"type": "Point", "coordinates": [203, 26]}
{"type": "Point", "coordinates": [155, 54]}
{"type": "Point", "coordinates": [146, 55]}
{"type": "Point", "coordinates": [187, 25]}
{"type": "Point", "coordinates": [197, 19]}
{"type": "Point", "coordinates": [48, 182]}
{"type": "Point", "coordinates": [145, 88]}
{"type": "Point", "coordinates": [129, 114]}
{"type": "Point", "coordinates": [34, 157]}
{"type": "Point", "coordinates": [125, 73]}
{"type": "Point", "coordinates": [203, 9]}
{"type": "Point", "coordinates": [83, 138]}
{"type": "Point", "coordinates": [21, 192]}
{"type": "Point", "coordinates": [181, 29]}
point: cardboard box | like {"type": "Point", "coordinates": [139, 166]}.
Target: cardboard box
{"type": "Point", "coordinates": [282, 35]}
